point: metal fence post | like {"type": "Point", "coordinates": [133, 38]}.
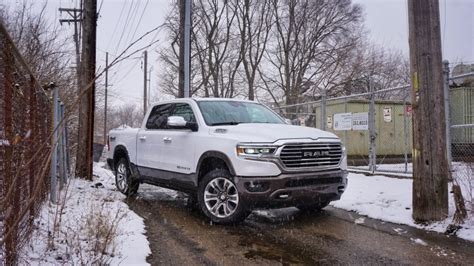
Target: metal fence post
{"type": "Point", "coordinates": [54, 150]}
{"type": "Point", "coordinates": [372, 130]}
{"type": "Point", "coordinates": [323, 109]}
{"type": "Point", "coordinates": [62, 170]}
{"type": "Point", "coordinates": [345, 131]}
{"type": "Point", "coordinates": [405, 132]}
{"type": "Point", "coordinates": [64, 146]}
{"type": "Point", "coordinates": [447, 113]}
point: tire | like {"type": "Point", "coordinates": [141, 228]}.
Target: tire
{"type": "Point", "coordinates": [314, 207]}
{"type": "Point", "coordinates": [124, 180]}
{"type": "Point", "coordinates": [192, 202]}
{"type": "Point", "coordinates": [223, 204]}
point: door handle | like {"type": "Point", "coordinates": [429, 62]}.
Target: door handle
{"type": "Point", "coordinates": [142, 138]}
{"type": "Point", "coordinates": [167, 139]}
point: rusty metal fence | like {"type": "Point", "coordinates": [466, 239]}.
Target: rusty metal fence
{"type": "Point", "coordinates": [25, 137]}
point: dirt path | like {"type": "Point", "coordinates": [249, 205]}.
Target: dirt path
{"type": "Point", "coordinates": [180, 236]}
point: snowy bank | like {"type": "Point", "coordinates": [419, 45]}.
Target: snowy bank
{"type": "Point", "coordinates": [390, 199]}
{"type": "Point", "coordinates": [90, 225]}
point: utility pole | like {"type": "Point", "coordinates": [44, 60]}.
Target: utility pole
{"type": "Point", "coordinates": [430, 164]}
{"type": "Point", "coordinates": [181, 50]}
{"type": "Point", "coordinates": [106, 92]}
{"type": "Point", "coordinates": [187, 47]}
{"type": "Point", "coordinates": [76, 19]}
{"type": "Point", "coordinates": [145, 81]}
{"type": "Point", "coordinates": [184, 48]}
{"type": "Point", "coordinates": [149, 85]}
{"type": "Point", "coordinates": [87, 91]}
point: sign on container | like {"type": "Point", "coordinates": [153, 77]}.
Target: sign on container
{"type": "Point", "coordinates": [360, 121]}
{"type": "Point", "coordinates": [343, 121]}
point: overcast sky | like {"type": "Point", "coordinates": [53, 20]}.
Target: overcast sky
{"type": "Point", "coordinates": [122, 21]}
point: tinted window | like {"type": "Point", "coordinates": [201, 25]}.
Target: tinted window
{"type": "Point", "coordinates": [158, 118]}
{"type": "Point", "coordinates": [185, 111]}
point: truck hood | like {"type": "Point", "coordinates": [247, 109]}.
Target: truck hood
{"type": "Point", "coordinates": [269, 133]}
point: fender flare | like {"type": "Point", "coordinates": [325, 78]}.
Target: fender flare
{"type": "Point", "coordinates": [132, 166]}
{"type": "Point", "coordinates": [215, 154]}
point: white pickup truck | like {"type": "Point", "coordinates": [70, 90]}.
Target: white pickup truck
{"type": "Point", "coordinates": [230, 156]}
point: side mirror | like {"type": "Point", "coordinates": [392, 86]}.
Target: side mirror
{"type": "Point", "coordinates": [176, 121]}
{"type": "Point", "coordinates": [179, 122]}
{"type": "Point", "coordinates": [288, 121]}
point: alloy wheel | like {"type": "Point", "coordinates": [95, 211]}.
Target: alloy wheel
{"type": "Point", "coordinates": [221, 197]}
{"type": "Point", "coordinates": [122, 177]}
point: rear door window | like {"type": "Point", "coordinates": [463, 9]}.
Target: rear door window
{"type": "Point", "coordinates": [158, 118]}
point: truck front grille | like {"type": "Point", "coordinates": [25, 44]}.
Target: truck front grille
{"type": "Point", "coordinates": [314, 155]}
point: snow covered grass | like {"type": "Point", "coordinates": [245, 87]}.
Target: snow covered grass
{"type": "Point", "coordinates": [390, 199]}
{"type": "Point", "coordinates": [90, 225]}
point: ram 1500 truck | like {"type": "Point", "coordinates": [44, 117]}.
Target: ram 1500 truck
{"type": "Point", "coordinates": [230, 156]}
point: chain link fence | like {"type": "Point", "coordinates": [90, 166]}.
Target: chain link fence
{"type": "Point", "coordinates": [26, 126]}
{"type": "Point", "coordinates": [376, 127]}
{"type": "Point", "coordinates": [461, 134]}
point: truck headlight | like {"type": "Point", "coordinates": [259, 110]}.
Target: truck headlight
{"type": "Point", "coordinates": [255, 151]}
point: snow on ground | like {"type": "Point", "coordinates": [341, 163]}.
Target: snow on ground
{"type": "Point", "coordinates": [92, 213]}
{"type": "Point", "coordinates": [390, 199]}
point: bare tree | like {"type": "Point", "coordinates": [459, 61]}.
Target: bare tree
{"type": "Point", "coordinates": [307, 38]}
{"type": "Point", "coordinates": [375, 68]}
{"type": "Point", "coordinates": [254, 19]}
{"type": "Point", "coordinates": [125, 115]}
{"type": "Point", "coordinates": [44, 48]}
{"type": "Point", "coordinates": [168, 56]}
{"type": "Point", "coordinates": [212, 31]}
{"type": "Point", "coordinates": [215, 54]}
{"type": "Point", "coordinates": [41, 44]}
{"type": "Point", "coordinates": [279, 51]}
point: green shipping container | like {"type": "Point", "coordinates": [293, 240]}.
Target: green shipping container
{"type": "Point", "coordinates": [391, 139]}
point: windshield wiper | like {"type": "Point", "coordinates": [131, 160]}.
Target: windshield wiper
{"type": "Point", "coordinates": [233, 123]}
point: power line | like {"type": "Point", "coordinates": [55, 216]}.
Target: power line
{"type": "Point", "coordinates": [127, 20]}
{"type": "Point", "coordinates": [116, 24]}
{"type": "Point", "coordinates": [140, 20]}
{"type": "Point", "coordinates": [132, 22]}
{"type": "Point", "coordinates": [100, 8]}
{"type": "Point", "coordinates": [117, 82]}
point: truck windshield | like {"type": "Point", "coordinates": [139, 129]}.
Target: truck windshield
{"type": "Point", "coordinates": [234, 113]}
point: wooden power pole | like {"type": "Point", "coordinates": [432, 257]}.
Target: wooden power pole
{"type": "Point", "coordinates": [76, 15]}
{"type": "Point", "coordinates": [87, 91]}
{"type": "Point", "coordinates": [430, 164]}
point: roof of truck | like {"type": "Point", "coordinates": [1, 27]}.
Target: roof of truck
{"type": "Point", "coordinates": [197, 99]}
{"type": "Point", "coordinates": [221, 99]}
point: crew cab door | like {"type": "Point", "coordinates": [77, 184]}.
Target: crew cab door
{"type": "Point", "coordinates": [181, 143]}
{"type": "Point", "coordinates": [151, 148]}
{"type": "Point", "coordinates": [165, 153]}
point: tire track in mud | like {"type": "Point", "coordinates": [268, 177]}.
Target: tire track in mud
{"type": "Point", "coordinates": [179, 235]}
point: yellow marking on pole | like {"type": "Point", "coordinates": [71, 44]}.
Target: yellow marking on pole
{"type": "Point", "coordinates": [415, 81]}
